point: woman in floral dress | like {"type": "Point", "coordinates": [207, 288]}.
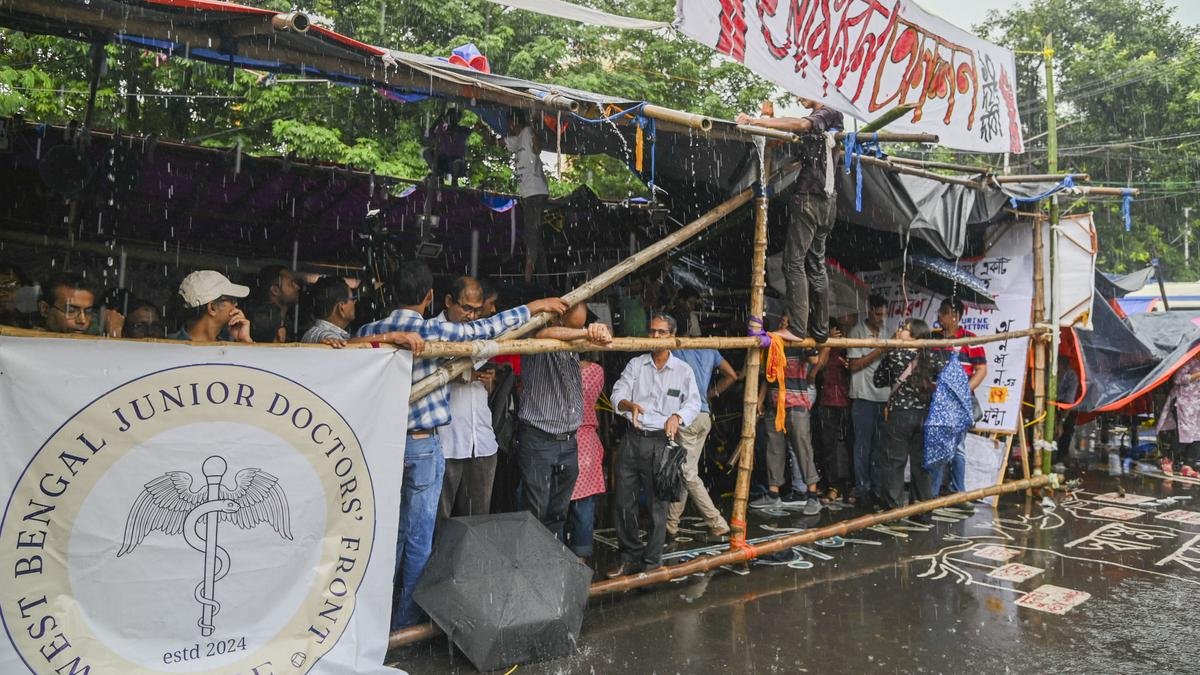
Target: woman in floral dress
{"type": "Point", "coordinates": [581, 517]}
{"type": "Point", "coordinates": [1182, 413]}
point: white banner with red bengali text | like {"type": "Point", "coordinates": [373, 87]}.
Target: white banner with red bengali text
{"type": "Point", "coordinates": [194, 509]}
{"type": "Point", "coordinates": [865, 57]}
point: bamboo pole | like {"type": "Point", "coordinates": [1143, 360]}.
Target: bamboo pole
{"type": "Point", "coordinates": [1039, 351]}
{"type": "Point", "coordinates": [486, 348]}
{"type": "Point", "coordinates": [1052, 167]}
{"type": "Point", "coordinates": [887, 118]}
{"type": "Point", "coordinates": [945, 166]}
{"type": "Point", "coordinates": [1031, 177]}
{"type": "Point", "coordinates": [758, 285]}
{"type": "Point", "coordinates": [706, 563]}
{"type": "Point", "coordinates": [483, 348]}
{"type": "Point", "coordinates": [689, 120]}
{"type": "Point", "coordinates": [913, 171]}
{"type": "Point", "coordinates": [891, 137]}
{"type": "Point", "coordinates": [627, 266]}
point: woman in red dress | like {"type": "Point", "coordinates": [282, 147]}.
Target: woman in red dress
{"type": "Point", "coordinates": [581, 518]}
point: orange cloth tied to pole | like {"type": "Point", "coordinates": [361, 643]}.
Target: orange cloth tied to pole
{"type": "Point", "coordinates": [777, 372]}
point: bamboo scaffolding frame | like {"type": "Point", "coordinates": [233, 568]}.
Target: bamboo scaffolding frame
{"type": "Point", "coordinates": [913, 171]}
{"type": "Point", "coordinates": [758, 286]}
{"type": "Point", "coordinates": [1043, 177]}
{"type": "Point", "coordinates": [605, 279]}
{"type": "Point", "coordinates": [1039, 352]}
{"type": "Point", "coordinates": [737, 556]}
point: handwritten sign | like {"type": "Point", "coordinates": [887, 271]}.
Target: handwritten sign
{"type": "Point", "coordinates": [864, 57]}
{"type": "Point", "coordinates": [1053, 599]}
{"type": "Point", "coordinates": [1015, 572]}
{"type": "Point", "coordinates": [1180, 516]}
{"type": "Point", "coordinates": [1118, 513]}
{"type": "Point", "coordinates": [997, 553]}
{"type": "Point", "coordinates": [1007, 270]}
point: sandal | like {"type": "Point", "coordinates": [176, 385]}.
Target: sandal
{"type": "Point", "coordinates": [831, 495]}
{"type": "Point", "coordinates": [1167, 466]}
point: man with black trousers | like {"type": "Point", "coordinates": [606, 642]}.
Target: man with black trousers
{"type": "Point", "coordinates": [550, 413]}
{"type": "Point", "coordinates": [657, 394]}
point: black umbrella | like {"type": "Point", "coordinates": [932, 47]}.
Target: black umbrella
{"type": "Point", "coordinates": [504, 589]}
{"type": "Point", "coordinates": [945, 278]}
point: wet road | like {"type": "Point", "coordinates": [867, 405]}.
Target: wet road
{"type": "Point", "coordinates": [1097, 582]}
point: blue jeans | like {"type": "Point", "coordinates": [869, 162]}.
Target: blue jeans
{"type": "Point", "coordinates": [958, 467]}
{"type": "Point", "coordinates": [867, 418]}
{"type": "Point", "coordinates": [424, 467]}
{"type": "Point", "coordinates": [581, 523]}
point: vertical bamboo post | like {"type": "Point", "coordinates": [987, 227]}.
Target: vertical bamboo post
{"type": "Point", "coordinates": [741, 493]}
{"type": "Point", "coordinates": [1039, 348]}
{"type": "Point", "coordinates": [1052, 167]}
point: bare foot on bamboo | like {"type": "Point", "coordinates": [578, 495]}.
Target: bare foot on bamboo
{"type": "Point", "coordinates": [787, 335]}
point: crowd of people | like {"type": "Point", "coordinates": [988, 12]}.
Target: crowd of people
{"type": "Point", "coordinates": [849, 424]}
{"type": "Point", "coordinates": [474, 447]}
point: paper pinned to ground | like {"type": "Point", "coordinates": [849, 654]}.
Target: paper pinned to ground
{"type": "Point", "coordinates": [1053, 599]}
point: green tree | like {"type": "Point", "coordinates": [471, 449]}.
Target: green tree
{"type": "Point", "coordinates": [1127, 79]}
{"type": "Point", "coordinates": [45, 79]}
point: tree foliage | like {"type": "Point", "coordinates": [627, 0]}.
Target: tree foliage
{"type": "Point", "coordinates": [1127, 81]}
{"type": "Point", "coordinates": [45, 79]}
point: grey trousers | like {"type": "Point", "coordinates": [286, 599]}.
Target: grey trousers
{"type": "Point", "coordinates": [467, 487]}
{"type": "Point", "coordinates": [799, 433]}
{"type": "Point", "coordinates": [810, 221]}
{"type": "Point", "coordinates": [549, 466]}
{"type": "Point", "coordinates": [692, 438]}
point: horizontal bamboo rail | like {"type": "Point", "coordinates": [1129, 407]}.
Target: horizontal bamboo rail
{"type": "Point", "coordinates": [1042, 177]}
{"type": "Point", "coordinates": [913, 171]}
{"type": "Point", "coordinates": [421, 632]}
{"type": "Point", "coordinates": [890, 137]}
{"type": "Point", "coordinates": [944, 166]}
{"type": "Point", "coordinates": [488, 348]}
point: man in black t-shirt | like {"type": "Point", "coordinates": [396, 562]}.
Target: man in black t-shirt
{"type": "Point", "coordinates": [810, 219]}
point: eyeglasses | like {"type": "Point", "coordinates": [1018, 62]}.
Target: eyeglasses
{"type": "Point", "coordinates": [658, 331]}
{"type": "Point", "coordinates": [146, 327]}
{"type": "Point", "coordinates": [470, 309]}
{"type": "Point", "coordinates": [72, 313]}
{"type": "Point", "coordinates": [227, 298]}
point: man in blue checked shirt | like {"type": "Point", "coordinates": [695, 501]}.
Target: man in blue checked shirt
{"type": "Point", "coordinates": [424, 463]}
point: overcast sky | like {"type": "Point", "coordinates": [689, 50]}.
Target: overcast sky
{"type": "Point", "coordinates": [967, 13]}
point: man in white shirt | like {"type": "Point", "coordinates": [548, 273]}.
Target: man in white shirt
{"type": "Point", "coordinates": [526, 146]}
{"type": "Point", "coordinates": [657, 394]}
{"type": "Point", "coordinates": [469, 440]}
{"type": "Point", "coordinates": [867, 401]}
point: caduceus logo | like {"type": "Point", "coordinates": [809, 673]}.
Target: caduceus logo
{"type": "Point", "coordinates": [169, 504]}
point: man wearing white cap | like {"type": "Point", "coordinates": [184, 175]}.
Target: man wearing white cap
{"type": "Point", "coordinates": [213, 300]}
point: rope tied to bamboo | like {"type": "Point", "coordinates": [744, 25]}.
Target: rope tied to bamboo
{"type": "Point", "coordinates": [485, 349]}
{"type": "Point", "coordinates": [855, 149]}
{"type": "Point", "coordinates": [754, 328]}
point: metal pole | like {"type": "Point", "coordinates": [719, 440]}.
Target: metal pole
{"type": "Point", "coordinates": [1187, 231]}
{"type": "Point", "coordinates": [1051, 167]}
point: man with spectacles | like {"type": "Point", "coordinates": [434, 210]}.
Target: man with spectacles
{"type": "Point", "coordinates": [213, 301]}
{"type": "Point", "coordinates": [67, 304]}
{"type": "Point", "coordinates": [333, 308]}
{"type": "Point", "coordinates": [469, 442]}
{"type": "Point", "coordinates": [424, 463]}
{"type": "Point", "coordinates": [657, 394]}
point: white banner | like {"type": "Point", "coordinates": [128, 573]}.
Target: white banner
{"type": "Point", "coordinates": [1075, 272]}
{"type": "Point", "coordinates": [1008, 271]}
{"type": "Point", "coordinates": [180, 509]}
{"type": "Point", "coordinates": [864, 57]}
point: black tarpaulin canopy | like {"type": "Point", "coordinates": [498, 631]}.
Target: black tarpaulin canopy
{"type": "Point", "coordinates": [1121, 360]}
